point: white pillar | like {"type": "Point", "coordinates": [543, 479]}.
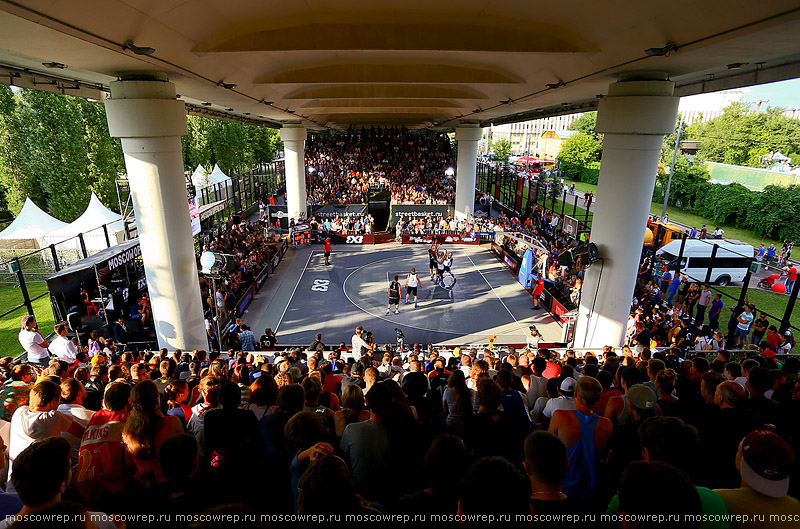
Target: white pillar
{"type": "Point", "coordinates": [151, 121]}
{"type": "Point", "coordinates": [294, 143]}
{"type": "Point", "coordinates": [467, 137]}
{"type": "Point", "coordinates": [634, 117]}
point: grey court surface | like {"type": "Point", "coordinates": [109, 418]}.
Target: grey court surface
{"type": "Point", "coordinates": [306, 297]}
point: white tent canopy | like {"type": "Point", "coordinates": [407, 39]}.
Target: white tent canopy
{"type": "Point", "coordinates": [30, 225]}
{"type": "Point", "coordinates": [217, 176]}
{"type": "Point", "coordinates": [200, 177]}
{"type": "Point", "coordinates": [90, 224]}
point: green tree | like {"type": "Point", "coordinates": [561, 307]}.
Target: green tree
{"type": "Point", "coordinates": [742, 137]}
{"type": "Point", "coordinates": [16, 181]}
{"type": "Point", "coordinates": [580, 149]}
{"type": "Point", "coordinates": [104, 153]}
{"type": "Point", "coordinates": [687, 183]}
{"type": "Point", "coordinates": [586, 123]}
{"type": "Point", "coordinates": [56, 154]}
{"type": "Point", "coordinates": [502, 149]}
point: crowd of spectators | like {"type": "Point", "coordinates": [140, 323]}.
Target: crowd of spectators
{"type": "Point", "coordinates": [252, 248]}
{"type": "Point", "coordinates": [526, 433]}
{"type": "Point", "coordinates": [345, 225]}
{"type": "Point", "coordinates": [412, 164]}
{"type": "Point", "coordinates": [670, 310]}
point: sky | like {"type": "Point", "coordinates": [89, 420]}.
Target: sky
{"type": "Point", "coordinates": [785, 94]}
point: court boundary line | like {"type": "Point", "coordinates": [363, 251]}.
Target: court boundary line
{"type": "Point", "coordinates": [291, 297]}
{"type": "Point", "coordinates": [495, 293]}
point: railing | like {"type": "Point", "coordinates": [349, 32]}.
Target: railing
{"type": "Point", "coordinates": [23, 271]}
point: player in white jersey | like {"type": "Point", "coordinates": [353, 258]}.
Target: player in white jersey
{"type": "Point", "coordinates": [448, 262]}
{"type": "Point", "coordinates": [413, 281]}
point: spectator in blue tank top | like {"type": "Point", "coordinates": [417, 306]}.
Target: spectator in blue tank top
{"type": "Point", "coordinates": [585, 435]}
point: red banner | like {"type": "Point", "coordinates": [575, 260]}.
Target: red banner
{"type": "Point", "coordinates": [558, 310]}
{"type": "Point", "coordinates": [497, 183]}
{"type": "Point", "coordinates": [337, 238]}
{"type": "Point", "coordinates": [518, 197]}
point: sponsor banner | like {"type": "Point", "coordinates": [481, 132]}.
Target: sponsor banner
{"type": "Point", "coordinates": [209, 210]}
{"type": "Point", "coordinates": [339, 238]}
{"type": "Point", "coordinates": [525, 275]}
{"type": "Point", "coordinates": [262, 277]}
{"type": "Point", "coordinates": [128, 255]}
{"type": "Point", "coordinates": [279, 213]}
{"type": "Point", "coordinates": [512, 262]}
{"type": "Point", "coordinates": [245, 300]}
{"type": "Point", "coordinates": [330, 211]}
{"type": "Point", "coordinates": [497, 250]}
{"type": "Point", "coordinates": [441, 239]}
{"type": "Point", "coordinates": [194, 215]}
{"type": "Point", "coordinates": [558, 310]}
{"type": "Point", "coordinates": [518, 196]}
{"type": "Point", "coordinates": [419, 210]}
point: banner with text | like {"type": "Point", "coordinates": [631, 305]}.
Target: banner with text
{"type": "Point", "coordinates": [419, 210]}
{"type": "Point", "coordinates": [330, 211]}
{"type": "Point", "coordinates": [441, 239]}
{"type": "Point", "coordinates": [338, 238]}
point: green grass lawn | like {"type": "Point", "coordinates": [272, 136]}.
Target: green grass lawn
{"type": "Point", "coordinates": [770, 302]}
{"type": "Point", "coordinates": [690, 219]}
{"type": "Point", "coordinates": [11, 296]}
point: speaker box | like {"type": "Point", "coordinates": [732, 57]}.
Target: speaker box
{"type": "Point", "coordinates": [74, 321]}
{"type": "Point", "coordinates": [566, 258]}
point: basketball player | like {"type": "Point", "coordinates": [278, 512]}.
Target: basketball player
{"type": "Point", "coordinates": [413, 282]}
{"type": "Point", "coordinates": [440, 268]}
{"type": "Point", "coordinates": [394, 296]}
{"type": "Point", "coordinates": [327, 251]}
{"type": "Point", "coordinates": [448, 262]}
{"type": "Point", "coordinates": [432, 258]}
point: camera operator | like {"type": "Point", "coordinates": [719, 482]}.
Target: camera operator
{"type": "Point", "coordinates": [362, 342]}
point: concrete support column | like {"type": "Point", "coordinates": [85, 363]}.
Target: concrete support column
{"type": "Point", "coordinates": [634, 117]}
{"type": "Point", "coordinates": [150, 121]}
{"type": "Point", "coordinates": [467, 137]}
{"type": "Point", "coordinates": [294, 145]}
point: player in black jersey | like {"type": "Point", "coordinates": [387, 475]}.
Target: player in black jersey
{"type": "Point", "coordinates": [433, 259]}
{"type": "Point", "coordinates": [394, 296]}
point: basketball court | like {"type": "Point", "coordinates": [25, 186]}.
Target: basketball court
{"type": "Point", "coordinates": [482, 300]}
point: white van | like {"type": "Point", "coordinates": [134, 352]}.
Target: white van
{"type": "Point", "coordinates": [730, 263]}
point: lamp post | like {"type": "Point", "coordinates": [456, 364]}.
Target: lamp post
{"type": "Point", "coordinates": [672, 170]}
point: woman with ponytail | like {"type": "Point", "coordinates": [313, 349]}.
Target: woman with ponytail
{"type": "Point", "coordinates": [145, 430]}
{"type": "Point", "coordinates": [175, 396]}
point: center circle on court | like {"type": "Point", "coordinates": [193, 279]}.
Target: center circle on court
{"type": "Point", "coordinates": [367, 289]}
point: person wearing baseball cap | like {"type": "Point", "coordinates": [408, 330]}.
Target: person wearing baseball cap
{"type": "Point", "coordinates": [565, 400]}
{"type": "Point", "coordinates": [764, 461]}
{"type": "Point", "coordinates": [642, 402]}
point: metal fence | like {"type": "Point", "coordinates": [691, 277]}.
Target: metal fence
{"type": "Point", "coordinates": [752, 267]}
{"type": "Point", "coordinates": [23, 271]}
{"type": "Point", "coordinates": [518, 194]}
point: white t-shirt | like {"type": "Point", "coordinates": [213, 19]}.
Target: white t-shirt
{"type": "Point", "coordinates": [559, 403]}
{"type": "Point", "coordinates": [413, 280]}
{"type": "Point", "coordinates": [64, 349]}
{"type": "Point", "coordinates": [28, 426]}
{"type": "Point", "coordinates": [30, 341]}
{"type": "Point", "coordinates": [359, 347]}
{"type": "Point", "coordinates": [82, 416]}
